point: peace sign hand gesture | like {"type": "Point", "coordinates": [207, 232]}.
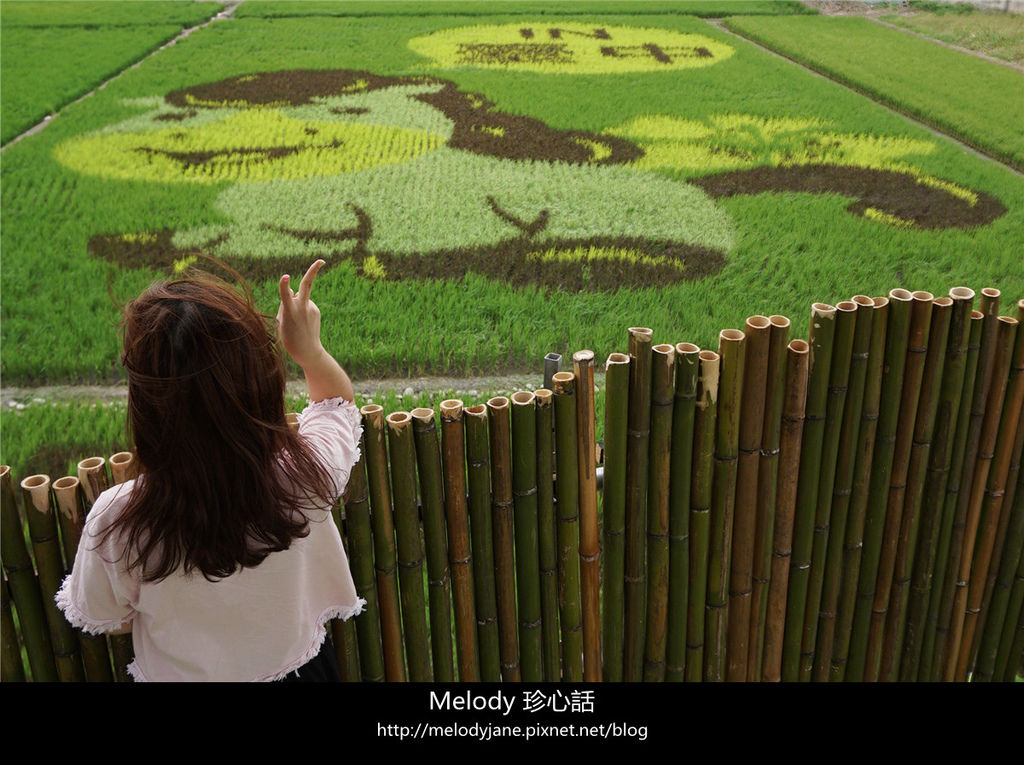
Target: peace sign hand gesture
{"type": "Point", "coordinates": [298, 319]}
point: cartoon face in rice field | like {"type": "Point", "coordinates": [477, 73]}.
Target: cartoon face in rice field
{"type": "Point", "coordinates": [411, 178]}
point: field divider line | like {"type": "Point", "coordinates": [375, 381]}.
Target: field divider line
{"type": "Point", "coordinates": [943, 43]}
{"type": "Point", "coordinates": [228, 12]}
{"type": "Point", "coordinates": [933, 128]}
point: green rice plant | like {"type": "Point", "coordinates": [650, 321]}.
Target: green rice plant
{"type": "Point", "coordinates": [976, 101]}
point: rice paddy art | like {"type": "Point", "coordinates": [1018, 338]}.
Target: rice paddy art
{"type": "Point", "coordinates": [411, 177]}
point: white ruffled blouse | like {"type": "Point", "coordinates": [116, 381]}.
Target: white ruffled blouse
{"type": "Point", "coordinates": [257, 624]}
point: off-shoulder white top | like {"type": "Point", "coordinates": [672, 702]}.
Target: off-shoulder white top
{"type": "Point", "coordinates": [257, 624]}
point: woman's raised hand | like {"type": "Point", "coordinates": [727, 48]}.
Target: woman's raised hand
{"type": "Point", "coordinates": [298, 318]}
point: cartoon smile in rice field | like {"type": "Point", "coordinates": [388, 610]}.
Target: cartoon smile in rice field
{"type": "Point", "coordinates": [413, 178]}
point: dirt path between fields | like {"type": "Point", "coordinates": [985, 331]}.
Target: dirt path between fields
{"type": "Point", "coordinates": [229, 10]}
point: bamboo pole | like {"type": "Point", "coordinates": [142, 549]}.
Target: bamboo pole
{"type": "Point", "coordinates": [920, 450]}
{"type": "Point", "coordinates": [947, 555]}
{"type": "Point", "coordinates": [757, 338]}
{"type": "Point", "coordinates": [989, 306]}
{"type": "Point", "coordinates": [842, 488]}
{"type": "Point", "coordinates": [567, 470]}
{"type": "Point", "coordinates": [790, 445]}
{"type": "Point", "coordinates": [527, 546]}
{"type": "Point", "coordinates": [428, 466]}
{"type": "Point", "coordinates": [946, 423]}
{"type": "Point", "coordinates": [453, 449]}
{"type": "Point", "coordinates": [917, 348]}
{"type": "Point", "coordinates": [504, 536]}
{"type": "Point", "coordinates": [637, 481]}
{"type": "Point", "coordinates": [896, 339]}
{"type": "Point", "coordinates": [1009, 654]}
{"type": "Point", "coordinates": [547, 534]}
{"type": "Point", "coordinates": [122, 647]}
{"type": "Point", "coordinates": [42, 527]}
{"type": "Point", "coordinates": [11, 667]}
{"type": "Point", "coordinates": [590, 551]}
{"type": "Point", "coordinates": [481, 530]}
{"type": "Point", "coordinates": [616, 411]}
{"type": "Point", "coordinates": [92, 472]}
{"type": "Point", "coordinates": [384, 551]}
{"type": "Point", "coordinates": [822, 336]}
{"type": "Point", "coordinates": [731, 345]}
{"type": "Point", "coordinates": [410, 547]}
{"type": "Point", "coordinates": [687, 372]}
{"type": "Point", "coordinates": [360, 546]}
{"type": "Point", "coordinates": [123, 467]}
{"type": "Point", "coordinates": [660, 454]}
{"type": "Point", "coordinates": [1011, 408]}
{"type": "Point", "coordinates": [864, 451]}
{"type": "Point", "coordinates": [346, 651]}
{"type": "Point", "coordinates": [998, 432]}
{"type": "Point", "coordinates": [767, 486]}
{"type": "Point", "coordinates": [25, 588]}
{"type": "Point", "coordinates": [67, 492]}
{"type": "Point", "coordinates": [705, 421]}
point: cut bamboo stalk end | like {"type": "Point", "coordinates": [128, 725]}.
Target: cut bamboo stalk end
{"type": "Point", "coordinates": [123, 466]}
{"type": "Point", "coordinates": [543, 396]}
{"type": "Point", "coordinates": [962, 293]}
{"type": "Point", "coordinates": [565, 382]}
{"type": "Point", "coordinates": [398, 420]}
{"type": "Point", "coordinates": [523, 398]}
{"type": "Point", "coordinates": [710, 372]}
{"type": "Point", "coordinates": [291, 419]}
{"type": "Point", "coordinates": [422, 415]}
{"type": "Point", "coordinates": [93, 475]}
{"type": "Point", "coordinates": [497, 403]}
{"type": "Point", "coordinates": [37, 487]}
{"type": "Point", "coordinates": [66, 490]}
{"type": "Point", "coordinates": [451, 410]}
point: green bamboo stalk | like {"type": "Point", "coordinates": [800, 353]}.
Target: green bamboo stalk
{"type": "Point", "coordinates": [360, 546]}
{"type": "Point", "coordinates": [790, 445]}
{"type": "Point", "coordinates": [67, 492]}
{"type": "Point", "coordinates": [842, 487]}
{"type": "Point", "coordinates": [947, 555]}
{"type": "Point", "coordinates": [481, 530]}
{"type": "Point", "coordinates": [590, 550]}
{"type": "Point", "coordinates": [741, 567]}
{"type": "Point", "coordinates": [11, 667]}
{"type": "Point", "coordinates": [567, 471]}
{"type": "Point", "coordinates": [428, 464]}
{"type": "Point", "coordinates": [616, 412]}
{"type": "Point", "coordinates": [637, 478]}
{"type": "Point", "coordinates": [945, 639]}
{"type": "Point", "coordinates": [995, 448]}
{"type": "Point", "coordinates": [822, 336]}
{"type": "Point", "coordinates": [122, 646]}
{"type": "Point", "coordinates": [920, 452]}
{"type": "Point", "coordinates": [524, 497]}
{"type": "Point", "coordinates": [839, 374]}
{"type": "Point", "coordinates": [385, 557]}
{"type": "Point", "coordinates": [896, 340]}
{"type": "Point", "coordinates": [24, 587]}
{"type": "Point", "coordinates": [946, 423]}
{"type": "Point", "coordinates": [453, 450]}
{"type": "Point", "coordinates": [659, 462]}
{"type": "Point", "coordinates": [504, 536]}
{"type": "Point", "coordinates": [731, 346]}
{"type": "Point", "coordinates": [917, 348]}
{"type": "Point", "coordinates": [42, 527]}
{"type": "Point", "coordinates": [864, 448]}
{"type": "Point", "coordinates": [547, 534]}
{"type": "Point", "coordinates": [705, 421]}
{"type": "Point", "coordinates": [687, 372]}
{"type": "Point", "coordinates": [410, 547]}
{"type": "Point", "coordinates": [767, 486]}
{"type": "Point", "coordinates": [346, 652]}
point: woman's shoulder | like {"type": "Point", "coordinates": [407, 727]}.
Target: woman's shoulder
{"type": "Point", "coordinates": [108, 507]}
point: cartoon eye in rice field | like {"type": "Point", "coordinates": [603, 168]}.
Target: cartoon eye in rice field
{"type": "Point", "coordinates": [412, 178]}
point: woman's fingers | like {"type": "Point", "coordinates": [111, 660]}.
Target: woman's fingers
{"type": "Point", "coordinates": [285, 291]}
{"type": "Point", "coordinates": [306, 285]}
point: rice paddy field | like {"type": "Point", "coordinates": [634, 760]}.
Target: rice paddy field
{"type": "Point", "coordinates": [488, 182]}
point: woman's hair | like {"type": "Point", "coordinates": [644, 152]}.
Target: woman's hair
{"type": "Point", "coordinates": [206, 409]}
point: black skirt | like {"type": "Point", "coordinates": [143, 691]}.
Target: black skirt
{"type": "Point", "coordinates": [322, 668]}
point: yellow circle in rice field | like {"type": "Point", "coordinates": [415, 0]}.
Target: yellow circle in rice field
{"type": "Point", "coordinates": [557, 47]}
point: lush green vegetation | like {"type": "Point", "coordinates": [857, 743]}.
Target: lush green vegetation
{"type": "Point", "coordinates": [981, 103]}
{"type": "Point", "coordinates": [54, 52]}
{"type": "Point", "coordinates": [1000, 35]}
{"type": "Point", "coordinates": [774, 248]}
{"type": "Point", "coordinates": [704, 8]}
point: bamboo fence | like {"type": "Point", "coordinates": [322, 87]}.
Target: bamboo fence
{"type": "Point", "coordinates": [843, 507]}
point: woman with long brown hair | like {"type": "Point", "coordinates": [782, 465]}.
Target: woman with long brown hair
{"type": "Point", "coordinates": [222, 557]}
